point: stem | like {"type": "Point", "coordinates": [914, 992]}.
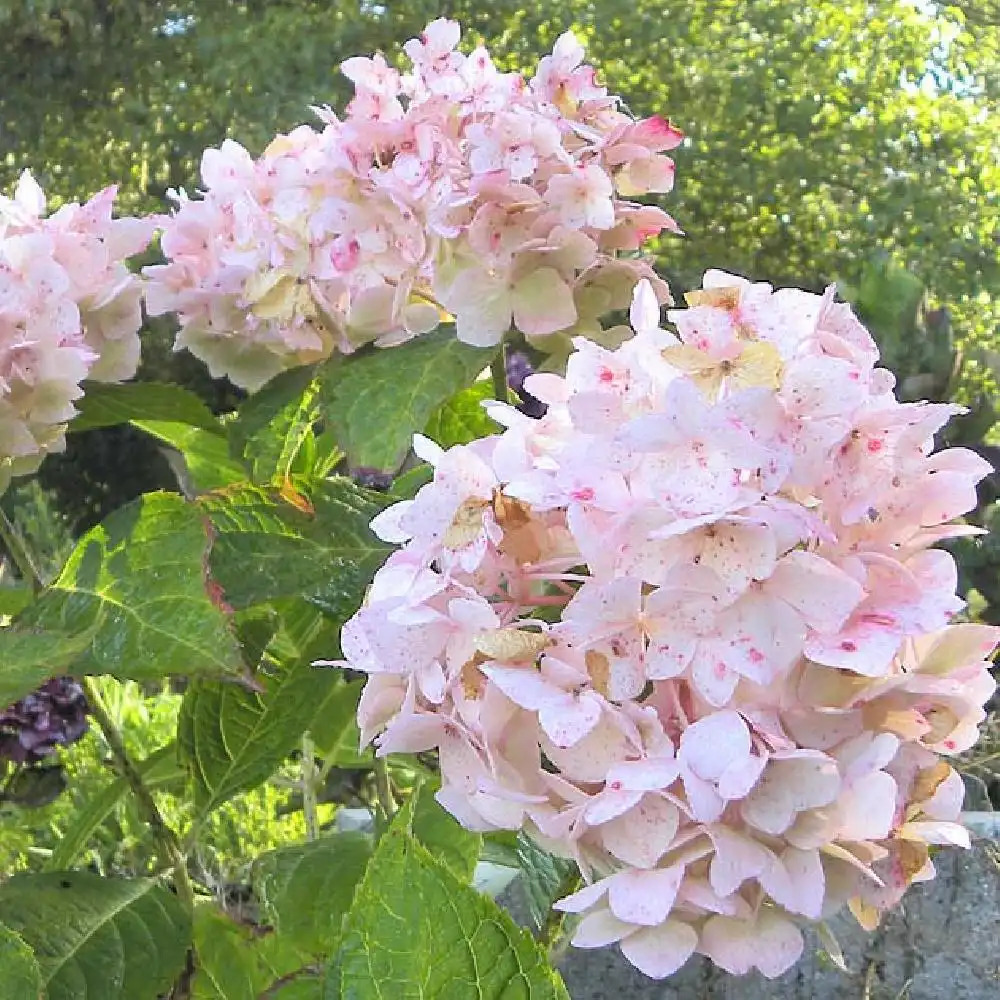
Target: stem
{"type": "Point", "coordinates": [19, 553]}
{"type": "Point", "coordinates": [383, 789]}
{"type": "Point", "coordinates": [165, 837]}
{"type": "Point", "coordinates": [309, 804]}
{"type": "Point", "coordinates": [498, 368]}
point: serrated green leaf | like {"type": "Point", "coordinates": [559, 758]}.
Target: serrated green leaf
{"type": "Point", "coordinates": [22, 979]}
{"type": "Point", "coordinates": [207, 463]}
{"type": "Point", "coordinates": [443, 836]}
{"type": "Point", "coordinates": [462, 418]}
{"type": "Point", "coordinates": [98, 938]}
{"type": "Point", "coordinates": [377, 399]}
{"type": "Point", "coordinates": [238, 962]}
{"type": "Point", "coordinates": [105, 405]}
{"type": "Point", "coordinates": [273, 424]}
{"type": "Point", "coordinates": [305, 890]}
{"type": "Point", "coordinates": [321, 546]}
{"type": "Point", "coordinates": [415, 932]}
{"type": "Point", "coordinates": [159, 769]}
{"type": "Point", "coordinates": [132, 601]}
{"type": "Point", "coordinates": [545, 877]}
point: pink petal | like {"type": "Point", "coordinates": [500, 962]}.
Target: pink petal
{"type": "Point", "coordinates": [660, 951]}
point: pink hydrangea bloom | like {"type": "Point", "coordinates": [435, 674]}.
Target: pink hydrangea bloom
{"type": "Point", "coordinates": [687, 629]}
{"type": "Point", "coordinates": [70, 310]}
{"type": "Point", "coordinates": [450, 189]}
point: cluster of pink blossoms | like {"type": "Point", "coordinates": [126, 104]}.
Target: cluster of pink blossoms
{"type": "Point", "coordinates": [688, 629]}
{"type": "Point", "coordinates": [454, 189]}
{"type": "Point", "coordinates": [70, 310]}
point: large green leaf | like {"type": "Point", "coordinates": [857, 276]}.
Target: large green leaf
{"type": "Point", "coordinates": [274, 424]}
{"type": "Point", "coordinates": [416, 932]}
{"type": "Point", "coordinates": [314, 542]}
{"type": "Point", "coordinates": [462, 418]}
{"type": "Point", "coordinates": [132, 601]}
{"type": "Point", "coordinates": [443, 836]}
{"type": "Point", "coordinates": [159, 769]}
{"type": "Point", "coordinates": [207, 463]}
{"type": "Point", "coordinates": [105, 405]}
{"type": "Point", "coordinates": [19, 972]}
{"type": "Point", "coordinates": [98, 938]}
{"type": "Point", "coordinates": [375, 400]}
{"type": "Point", "coordinates": [237, 962]}
{"type": "Point", "coordinates": [305, 890]}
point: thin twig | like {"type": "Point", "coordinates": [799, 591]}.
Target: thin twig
{"type": "Point", "coordinates": [309, 782]}
{"type": "Point", "coordinates": [498, 368]}
{"type": "Point", "coordinates": [383, 789]}
{"type": "Point", "coordinates": [165, 837]}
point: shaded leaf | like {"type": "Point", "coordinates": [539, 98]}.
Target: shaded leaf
{"type": "Point", "coordinates": [306, 889]}
{"type": "Point", "coordinates": [22, 979]}
{"type": "Point", "coordinates": [98, 938]}
{"type": "Point", "coordinates": [377, 399]}
{"type": "Point", "coordinates": [105, 405]}
{"type": "Point", "coordinates": [335, 730]}
{"type": "Point", "coordinates": [545, 877]}
{"type": "Point", "coordinates": [232, 739]}
{"type": "Point", "coordinates": [446, 839]}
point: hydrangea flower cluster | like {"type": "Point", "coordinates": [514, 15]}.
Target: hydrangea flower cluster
{"type": "Point", "coordinates": [451, 189]}
{"type": "Point", "coordinates": [688, 628]}
{"type": "Point", "coordinates": [70, 310]}
{"type": "Point", "coordinates": [55, 715]}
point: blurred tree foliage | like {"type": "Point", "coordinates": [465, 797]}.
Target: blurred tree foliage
{"type": "Point", "coordinates": [820, 132]}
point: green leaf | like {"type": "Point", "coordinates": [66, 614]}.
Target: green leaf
{"type": "Point", "coordinates": [22, 979]}
{"type": "Point", "coordinates": [462, 418]}
{"type": "Point", "coordinates": [14, 598]}
{"type": "Point", "coordinates": [443, 836]}
{"type": "Point", "coordinates": [319, 546]}
{"type": "Point", "coordinates": [273, 424]}
{"type": "Point", "coordinates": [306, 890]}
{"type": "Point", "coordinates": [232, 739]}
{"type": "Point", "coordinates": [545, 877]}
{"type": "Point", "coordinates": [416, 932]}
{"type": "Point", "coordinates": [105, 405]}
{"type": "Point", "coordinates": [336, 732]}
{"type": "Point", "coordinates": [161, 768]}
{"type": "Point", "coordinates": [132, 601]}
{"type": "Point", "coordinates": [377, 399]}
{"type": "Point", "coordinates": [30, 657]}
{"type": "Point", "coordinates": [98, 938]}
{"type": "Point", "coordinates": [207, 463]}
{"type": "Point", "coordinates": [405, 486]}
{"type": "Point", "coordinates": [238, 962]}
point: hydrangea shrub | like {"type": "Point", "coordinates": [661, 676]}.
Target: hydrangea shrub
{"type": "Point", "coordinates": [666, 626]}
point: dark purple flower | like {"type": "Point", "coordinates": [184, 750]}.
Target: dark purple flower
{"type": "Point", "coordinates": [519, 367]}
{"type": "Point", "coordinates": [55, 715]}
